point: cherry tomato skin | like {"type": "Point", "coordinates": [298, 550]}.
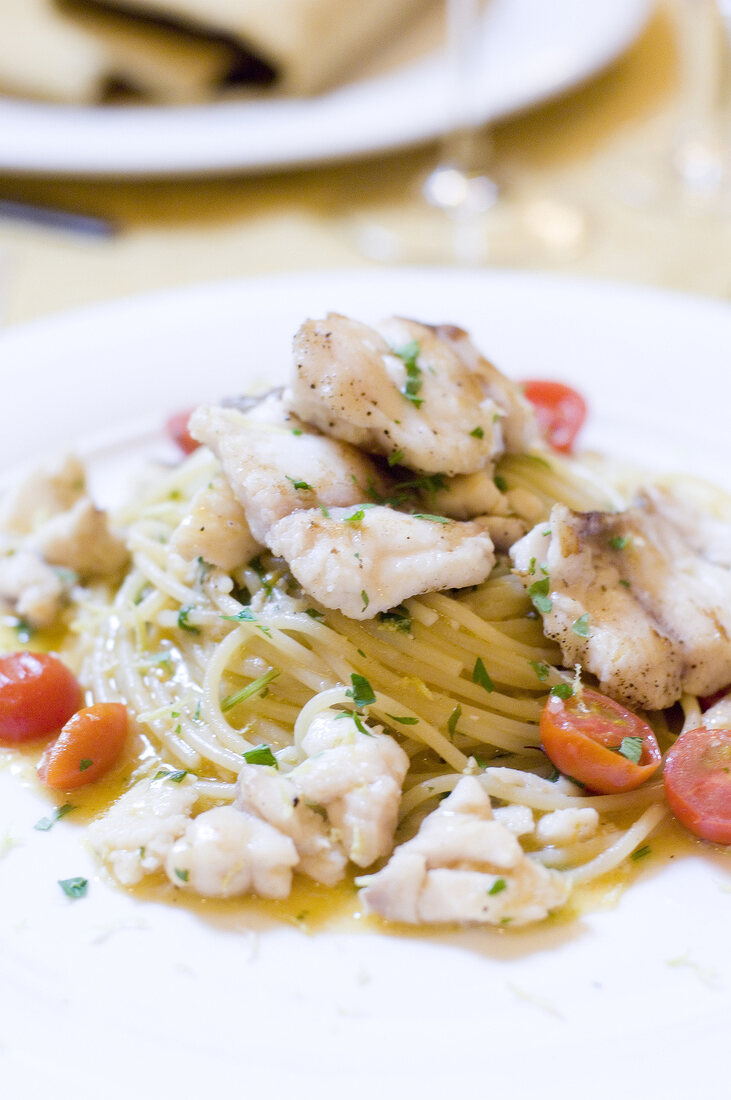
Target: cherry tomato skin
{"type": "Point", "coordinates": [87, 748]}
{"type": "Point", "coordinates": [581, 736]}
{"type": "Point", "coordinates": [38, 694]}
{"type": "Point", "coordinates": [697, 780]}
{"type": "Point", "coordinates": [560, 411]}
{"type": "Point", "coordinates": [176, 428]}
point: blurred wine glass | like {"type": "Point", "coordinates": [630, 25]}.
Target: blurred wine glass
{"type": "Point", "coordinates": [465, 210]}
{"type": "Point", "coordinates": [690, 171]}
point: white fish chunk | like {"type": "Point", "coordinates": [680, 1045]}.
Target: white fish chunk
{"type": "Point", "coordinates": [369, 559]}
{"type": "Point", "coordinates": [567, 826]}
{"type": "Point", "coordinates": [136, 834]}
{"type": "Point", "coordinates": [226, 852]}
{"type": "Point", "coordinates": [418, 394]}
{"type": "Point", "coordinates": [42, 494]}
{"type": "Point", "coordinates": [341, 803]}
{"type": "Point", "coordinates": [273, 472]}
{"type": "Point", "coordinates": [357, 777]}
{"type": "Point", "coordinates": [463, 866]}
{"type": "Point", "coordinates": [80, 539]}
{"type": "Point", "coordinates": [276, 799]}
{"type": "Point", "coordinates": [215, 529]}
{"type": "Point", "coordinates": [657, 604]}
{"type": "Point", "coordinates": [31, 587]}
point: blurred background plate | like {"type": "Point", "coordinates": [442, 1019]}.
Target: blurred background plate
{"type": "Point", "coordinates": [533, 51]}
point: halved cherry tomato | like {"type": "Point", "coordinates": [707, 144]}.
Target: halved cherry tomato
{"type": "Point", "coordinates": [176, 427]}
{"type": "Point", "coordinates": [560, 411]}
{"type": "Point", "coordinates": [88, 746]}
{"type": "Point", "coordinates": [698, 782]}
{"type": "Point", "coordinates": [38, 694]}
{"type": "Point", "coordinates": [584, 737]}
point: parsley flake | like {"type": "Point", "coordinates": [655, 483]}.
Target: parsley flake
{"type": "Point", "coordinates": [541, 670]}
{"type": "Point", "coordinates": [562, 691]}
{"type": "Point", "coordinates": [498, 886]}
{"type": "Point", "coordinates": [85, 763]}
{"type": "Point", "coordinates": [395, 458]}
{"type": "Point", "coordinates": [619, 542]}
{"type": "Point", "coordinates": [538, 592]}
{"type": "Point", "coordinates": [640, 853]}
{"type": "Point", "coordinates": [397, 617]}
{"type": "Point", "coordinates": [364, 598]}
{"type": "Point", "coordinates": [500, 483]}
{"type": "Point", "coordinates": [183, 620]}
{"type": "Point", "coordinates": [75, 887]}
{"type": "Point", "coordinates": [453, 720]}
{"type": "Point", "coordinates": [361, 692]}
{"type": "Point", "coordinates": [254, 688]}
{"type": "Point", "coordinates": [478, 432]}
{"type": "Point", "coordinates": [304, 486]}
{"type": "Point", "coordinates": [481, 676]}
{"type": "Point", "coordinates": [403, 719]}
{"type": "Point", "coordinates": [261, 754]}
{"type": "Point", "coordinates": [631, 749]}
{"type": "Point", "coordinates": [45, 823]}
{"type": "Point", "coordinates": [315, 614]}
{"type": "Point", "coordinates": [408, 354]}
{"type": "Point", "coordinates": [581, 626]}
{"type": "Point", "coordinates": [433, 519]}
{"type": "Point", "coordinates": [182, 873]}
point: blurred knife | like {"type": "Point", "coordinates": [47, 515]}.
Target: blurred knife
{"type": "Point", "coordinates": [55, 217]}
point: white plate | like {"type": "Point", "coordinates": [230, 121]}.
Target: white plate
{"type": "Point", "coordinates": [532, 50]}
{"type": "Point", "coordinates": [111, 996]}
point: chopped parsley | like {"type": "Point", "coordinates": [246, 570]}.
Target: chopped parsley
{"type": "Point", "coordinates": [315, 614]}
{"type": "Point", "coordinates": [361, 692]}
{"type": "Point", "coordinates": [303, 486]}
{"type": "Point", "coordinates": [433, 519]}
{"type": "Point", "coordinates": [538, 592]}
{"type": "Point", "coordinates": [45, 823]}
{"type": "Point", "coordinates": [408, 354]}
{"type": "Point", "coordinates": [261, 754]}
{"type": "Point", "coordinates": [478, 432]}
{"type": "Point", "coordinates": [356, 517]}
{"type": "Point", "coordinates": [498, 886]}
{"type": "Point", "coordinates": [85, 763]}
{"type": "Point", "coordinates": [183, 620]}
{"type": "Point", "coordinates": [500, 483]}
{"type": "Point", "coordinates": [254, 688]}
{"type": "Point", "coordinates": [541, 670]}
{"type": "Point", "coordinates": [624, 583]}
{"type": "Point", "coordinates": [481, 676]}
{"type": "Point", "coordinates": [453, 720]}
{"type": "Point", "coordinates": [182, 873]}
{"type": "Point", "coordinates": [395, 458]}
{"type": "Point", "coordinates": [562, 691]}
{"type": "Point", "coordinates": [75, 887]}
{"type": "Point", "coordinates": [176, 776]}
{"type": "Point", "coordinates": [640, 853]}
{"type": "Point", "coordinates": [631, 749]}
{"type": "Point", "coordinates": [619, 542]}
{"type": "Point", "coordinates": [403, 719]}
{"type": "Point", "coordinates": [356, 719]}
{"type": "Point", "coordinates": [398, 617]}
{"type": "Point", "coordinates": [246, 615]}
{"type": "Point", "coordinates": [581, 626]}
{"type": "Point", "coordinates": [364, 598]}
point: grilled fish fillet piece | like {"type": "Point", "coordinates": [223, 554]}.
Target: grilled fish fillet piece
{"type": "Point", "coordinates": [278, 466]}
{"type": "Point", "coordinates": [655, 583]}
{"type": "Point", "coordinates": [421, 395]}
{"type": "Point", "coordinates": [364, 561]}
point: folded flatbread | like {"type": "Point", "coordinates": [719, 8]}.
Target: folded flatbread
{"type": "Point", "coordinates": [76, 51]}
